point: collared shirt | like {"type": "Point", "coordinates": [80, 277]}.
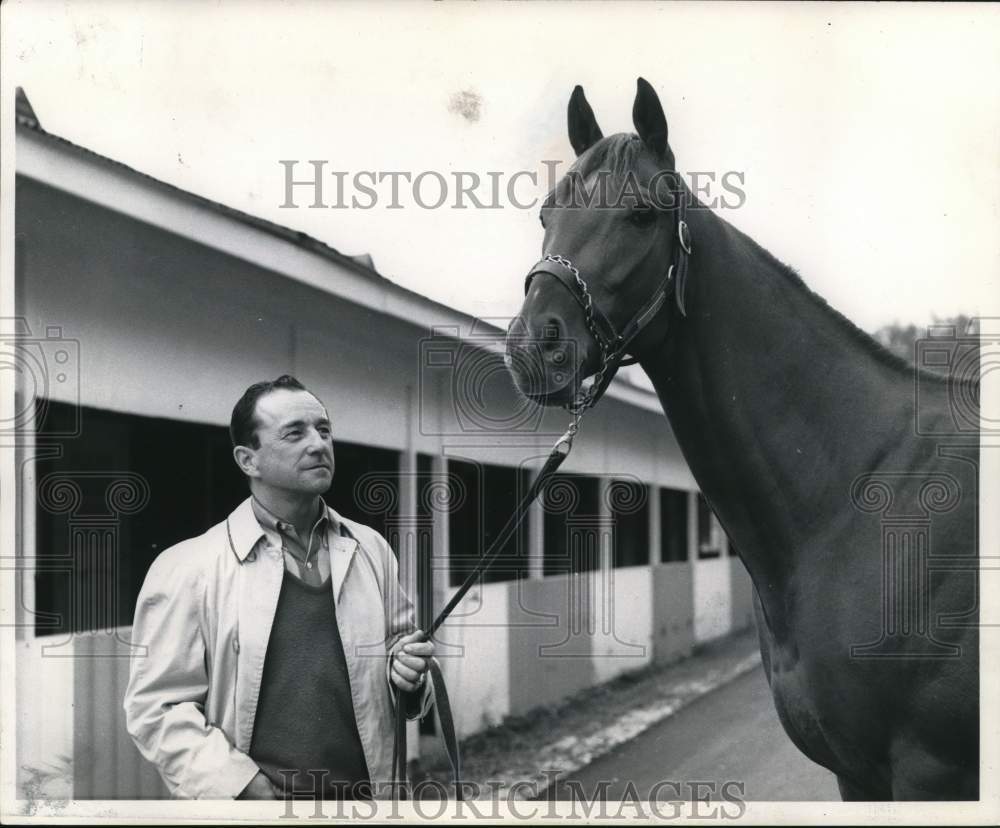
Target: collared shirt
{"type": "Point", "coordinates": [301, 559]}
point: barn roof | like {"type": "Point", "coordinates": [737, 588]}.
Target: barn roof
{"type": "Point", "coordinates": [361, 265]}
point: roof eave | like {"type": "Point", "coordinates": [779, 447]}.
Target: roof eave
{"type": "Point", "coordinates": [66, 166]}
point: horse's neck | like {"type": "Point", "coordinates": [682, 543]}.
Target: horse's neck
{"type": "Point", "coordinates": [776, 402]}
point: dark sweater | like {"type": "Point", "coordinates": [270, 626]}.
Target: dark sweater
{"type": "Point", "coordinates": [305, 717]}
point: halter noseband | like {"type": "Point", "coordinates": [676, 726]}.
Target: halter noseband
{"type": "Point", "coordinates": [613, 344]}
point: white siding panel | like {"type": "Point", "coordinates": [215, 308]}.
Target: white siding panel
{"type": "Point", "coordinates": [712, 598]}
{"type": "Point", "coordinates": [474, 654]}
{"type": "Point", "coordinates": [623, 614]}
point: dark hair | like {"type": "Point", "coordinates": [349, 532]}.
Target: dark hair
{"type": "Point", "coordinates": [243, 423]}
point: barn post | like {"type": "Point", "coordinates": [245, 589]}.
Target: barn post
{"type": "Point", "coordinates": [655, 521]}
{"type": "Point", "coordinates": [536, 537]}
{"type": "Point", "coordinates": [410, 539]}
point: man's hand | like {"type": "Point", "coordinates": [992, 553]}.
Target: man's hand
{"type": "Point", "coordinates": [410, 661]}
{"type": "Point", "coordinates": [260, 787]}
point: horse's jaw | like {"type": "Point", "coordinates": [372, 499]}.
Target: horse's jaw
{"type": "Point", "coordinates": [557, 399]}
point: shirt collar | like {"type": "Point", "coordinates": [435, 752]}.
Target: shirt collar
{"type": "Point", "coordinates": [245, 530]}
{"type": "Point", "coordinates": [274, 525]}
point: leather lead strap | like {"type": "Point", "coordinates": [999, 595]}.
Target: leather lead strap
{"type": "Point", "coordinates": [400, 788]}
{"type": "Point", "coordinates": [447, 721]}
{"type": "Point", "coordinates": [400, 783]}
{"type": "Point", "coordinates": [614, 346]}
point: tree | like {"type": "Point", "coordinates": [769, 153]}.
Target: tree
{"type": "Point", "coordinates": [902, 339]}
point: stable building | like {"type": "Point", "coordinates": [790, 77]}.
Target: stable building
{"type": "Point", "coordinates": [143, 312]}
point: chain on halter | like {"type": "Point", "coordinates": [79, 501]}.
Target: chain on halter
{"type": "Point", "coordinates": [602, 330]}
{"type": "Point", "coordinates": [586, 399]}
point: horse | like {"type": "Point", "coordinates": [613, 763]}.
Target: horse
{"type": "Point", "coordinates": [844, 476]}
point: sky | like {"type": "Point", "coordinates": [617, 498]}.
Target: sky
{"type": "Point", "coordinates": [867, 137]}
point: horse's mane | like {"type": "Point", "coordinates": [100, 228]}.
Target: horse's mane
{"type": "Point", "coordinates": [619, 153]}
{"type": "Point", "coordinates": [868, 343]}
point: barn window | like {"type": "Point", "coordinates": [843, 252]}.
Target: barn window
{"type": "Point", "coordinates": [123, 491]}
{"type": "Point", "coordinates": [572, 524]}
{"type": "Point", "coordinates": [629, 501]}
{"type": "Point", "coordinates": [487, 495]}
{"type": "Point", "coordinates": [128, 487]}
{"type": "Point", "coordinates": [366, 486]}
{"type": "Point", "coordinates": [673, 525]}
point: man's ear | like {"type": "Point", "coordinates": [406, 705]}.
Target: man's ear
{"type": "Point", "coordinates": [246, 459]}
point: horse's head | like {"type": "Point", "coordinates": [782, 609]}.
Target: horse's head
{"type": "Point", "coordinates": [611, 228]}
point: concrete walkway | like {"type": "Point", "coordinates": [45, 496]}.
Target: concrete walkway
{"type": "Point", "coordinates": [526, 754]}
{"type": "Point", "coordinates": [728, 743]}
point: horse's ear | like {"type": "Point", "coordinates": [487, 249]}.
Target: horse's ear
{"type": "Point", "coordinates": [647, 115]}
{"type": "Point", "coordinates": [583, 129]}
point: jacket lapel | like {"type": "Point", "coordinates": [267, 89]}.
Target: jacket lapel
{"type": "Point", "coordinates": [259, 588]}
{"type": "Point", "coordinates": [243, 530]}
{"type": "Point", "coordinates": [342, 552]}
{"type": "Point", "coordinates": [259, 577]}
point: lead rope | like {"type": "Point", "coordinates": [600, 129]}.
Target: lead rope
{"type": "Point", "coordinates": [612, 356]}
{"type": "Point", "coordinates": [400, 789]}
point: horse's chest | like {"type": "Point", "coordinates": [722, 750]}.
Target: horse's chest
{"type": "Point", "coordinates": [807, 706]}
{"type": "Point", "coordinates": [802, 702]}
{"type": "Point", "coordinates": [798, 711]}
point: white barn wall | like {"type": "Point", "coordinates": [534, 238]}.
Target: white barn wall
{"type": "Point", "coordinates": [551, 639]}
{"type": "Point", "coordinates": [474, 654]}
{"type": "Point", "coordinates": [363, 385]}
{"type": "Point", "coordinates": [623, 638]}
{"type": "Point", "coordinates": [712, 602]}
{"type": "Point", "coordinates": [45, 731]}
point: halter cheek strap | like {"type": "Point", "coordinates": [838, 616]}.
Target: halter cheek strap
{"type": "Point", "coordinates": [613, 344]}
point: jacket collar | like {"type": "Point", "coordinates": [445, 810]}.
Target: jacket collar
{"type": "Point", "coordinates": [245, 532]}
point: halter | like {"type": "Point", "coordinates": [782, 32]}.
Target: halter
{"type": "Point", "coordinates": [613, 344]}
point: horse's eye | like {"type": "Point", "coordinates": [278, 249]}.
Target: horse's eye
{"type": "Point", "coordinates": [642, 216]}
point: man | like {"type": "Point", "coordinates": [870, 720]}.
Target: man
{"type": "Point", "coordinates": [277, 644]}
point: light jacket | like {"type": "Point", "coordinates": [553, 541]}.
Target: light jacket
{"type": "Point", "coordinates": [202, 623]}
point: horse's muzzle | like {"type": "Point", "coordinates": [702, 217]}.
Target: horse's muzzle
{"type": "Point", "coordinates": [545, 367]}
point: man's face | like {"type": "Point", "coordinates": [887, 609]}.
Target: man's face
{"type": "Point", "coordinates": [296, 446]}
